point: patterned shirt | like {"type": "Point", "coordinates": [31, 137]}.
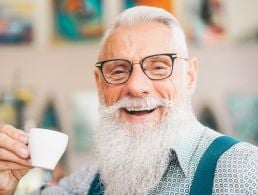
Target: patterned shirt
{"type": "Point", "coordinates": [236, 171]}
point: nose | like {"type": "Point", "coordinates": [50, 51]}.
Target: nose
{"type": "Point", "coordinates": [138, 84]}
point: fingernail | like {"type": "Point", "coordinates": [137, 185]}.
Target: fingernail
{"type": "Point", "coordinates": [23, 138]}
{"type": "Point", "coordinates": [24, 152]}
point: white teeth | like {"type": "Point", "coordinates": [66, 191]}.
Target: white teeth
{"type": "Point", "coordinates": [140, 109]}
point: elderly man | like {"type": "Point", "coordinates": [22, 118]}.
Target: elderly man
{"type": "Point", "coordinates": [148, 140]}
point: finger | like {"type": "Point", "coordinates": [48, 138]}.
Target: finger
{"type": "Point", "coordinates": [5, 165]}
{"type": "Point", "coordinates": [14, 146]}
{"type": "Point", "coordinates": [14, 133]}
{"type": "Point", "coordinates": [18, 174]}
{"type": "Point", "coordinates": [6, 155]}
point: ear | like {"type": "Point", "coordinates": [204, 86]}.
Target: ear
{"type": "Point", "coordinates": [99, 83]}
{"type": "Point", "coordinates": [192, 72]}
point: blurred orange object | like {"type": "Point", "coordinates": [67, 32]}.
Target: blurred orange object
{"type": "Point", "coordinates": [165, 4]}
{"type": "Point", "coordinates": [74, 5]}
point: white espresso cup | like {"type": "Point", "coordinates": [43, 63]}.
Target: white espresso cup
{"type": "Point", "coordinates": [46, 147]}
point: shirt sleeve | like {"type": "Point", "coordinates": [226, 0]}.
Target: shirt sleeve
{"type": "Point", "coordinates": [77, 183]}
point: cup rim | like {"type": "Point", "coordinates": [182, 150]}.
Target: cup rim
{"type": "Point", "coordinates": [49, 130]}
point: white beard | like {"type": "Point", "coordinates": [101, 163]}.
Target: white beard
{"type": "Point", "coordinates": [131, 165]}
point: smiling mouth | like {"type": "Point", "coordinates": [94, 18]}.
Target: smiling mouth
{"type": "Point", "coordinates": [138, 111]}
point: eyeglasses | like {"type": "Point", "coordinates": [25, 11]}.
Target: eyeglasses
{"type": "Point", "coordinates": [155, 67]}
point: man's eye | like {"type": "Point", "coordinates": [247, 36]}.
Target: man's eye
{"type": "Point", "coordinates": [119, 70]}
{"type": "Point", "coordinates": [159, 67]}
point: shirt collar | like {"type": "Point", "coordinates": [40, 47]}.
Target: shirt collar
{"type": "Point", "coordinates": [186, 143]}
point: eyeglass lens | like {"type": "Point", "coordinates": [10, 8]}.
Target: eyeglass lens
{"type": "Point", "coordinates": [155, 67]}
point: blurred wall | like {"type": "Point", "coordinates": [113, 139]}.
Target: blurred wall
{"type": "Point", "coordinates": [225, 71]}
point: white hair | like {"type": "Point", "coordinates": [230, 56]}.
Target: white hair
{"type": "Point", "coordinates": [134, 156]}
{"type": "Point", "coordinates": [148, 14]}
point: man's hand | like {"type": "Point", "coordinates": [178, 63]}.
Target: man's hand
{"type": "Point", "coordinates": [14, 155]}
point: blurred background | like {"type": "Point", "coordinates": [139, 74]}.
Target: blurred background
{"type": "Point", "coordinates": [48, 49]}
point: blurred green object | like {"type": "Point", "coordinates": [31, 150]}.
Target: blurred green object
{"type": "Point", "coordinates": [129, 3]}
{"type": "Point", "coordinates": [50, 119]}
{"type": "Point", "coordinates": [66, 26]}
{"type": "Point", "coordinates": [244, 114]}
{"type": "Point", "coordinates": [78, 20]}
{"type": "Point", "coordinates": [207, 118]}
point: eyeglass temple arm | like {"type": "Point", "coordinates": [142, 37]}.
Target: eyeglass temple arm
{"type": "Point", "coordinates": [98, 64]}
{"type": "Point", "coordinates": [182, 58]}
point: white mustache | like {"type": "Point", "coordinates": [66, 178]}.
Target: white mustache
{"type": "Point", "coordinates": [132, 103]}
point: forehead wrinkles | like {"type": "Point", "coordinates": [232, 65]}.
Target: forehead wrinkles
{"type": "Point", "coordinates": [140, 40]}
{"type": "Point", "coordinates": [120, 44]}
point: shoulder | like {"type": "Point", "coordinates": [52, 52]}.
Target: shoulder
{"type": "Point", "coordinates": [246, 148]}
{"type": "Point", "coordinates": [237, 169]}
{"type": "Point", "coordinates": [241, 152]}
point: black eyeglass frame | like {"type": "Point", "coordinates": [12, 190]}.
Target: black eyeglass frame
{"type": "Point", "coordinates": [173, 57]}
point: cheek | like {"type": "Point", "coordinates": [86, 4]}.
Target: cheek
{"type": "Point", "coordinates": [169, 89]}
{"type": "Point", "coordinates": [112, 94]}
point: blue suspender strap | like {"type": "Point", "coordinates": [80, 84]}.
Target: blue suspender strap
{"type": "Point", "coordinates": [203, 179]}
{"type": "Point", "coordinates": [97, 187]}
